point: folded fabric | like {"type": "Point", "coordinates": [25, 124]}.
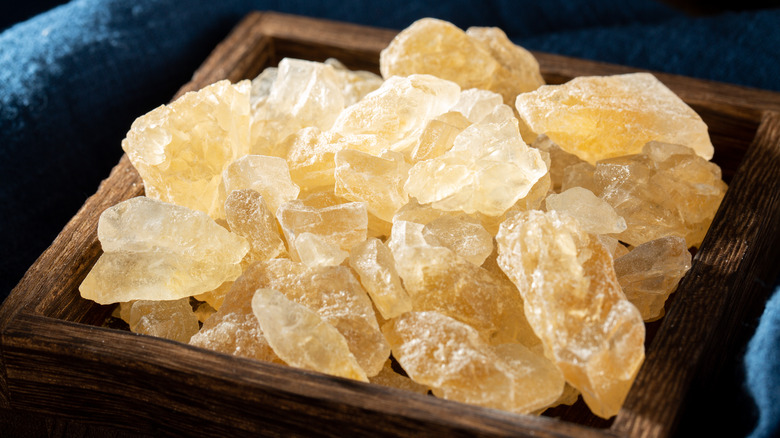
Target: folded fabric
{"type": "Point", "coordinates": [73, 79]}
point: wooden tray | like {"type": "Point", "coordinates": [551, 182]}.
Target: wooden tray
{"type": "Point", "coordinates": [57, 361]}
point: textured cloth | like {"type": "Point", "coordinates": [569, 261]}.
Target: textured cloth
{"type": "Point", "coordinates": [73, 79]}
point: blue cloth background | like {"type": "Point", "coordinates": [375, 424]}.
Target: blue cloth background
{"type": "Point", "coordinates": [73, 79]}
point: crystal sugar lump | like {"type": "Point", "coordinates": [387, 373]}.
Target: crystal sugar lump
{"type": "Point", "coordinates": [523, 66]}
{"type": "Point", "coordinates": [559, 161]}
{"type": "Point", "coordinates": [377, 181]}
{"type": "Point", "coordinates": [665, 190]}
{"type": "Point", "coordinates": [165, 319]}
{"type": "Point", "coordinates": [357, 83]}
{"type": "Point", "coordinates": [234, 328]}
{"type": "Point", "coordinates": [575, 305]}
{"type": "Point", "coordinates": [159, 251]}
{"type": "Point", "coordinates": [600, 117]}
{"type": "Point", "coordinates": [248, 216]}
{"type": "Point", "coordinates": [181, 149]}
{"type": "Point", "coordinates": [436, 47]}
{"type": "Point", "coordinates": [314, 251]}
{"type": "Point", "coordinates": [333, 293]}
{"type": "Point", "coordinates": [469, 240]}
{"type": "Point", "coordinates": [593, 213]}
{"type": "Point", "coordinates": [301, 338]}
{"type": "Point", "coordinates": [650, 272]}
{"type": "Point", "coordinates": [394, 115]}
{"type": "Point", "coordinates": [343, 225]}
{"type": "Point", "coordinates": [437, 279]}
{"type": "Point", "coordinates": [310, 157]}
{"type": "Point", "coordinates": [488, 169]}
{"type": "Point", "coordinates": [452, 358]}
{"type": "Point", "coordinates": [374, 264]}
{"type": "Point", "coordinates": [390, 378]}
{"type": "Point", "coordinates": [438, 136]}
{"type": "Point", "coordinates": [266, 175]}
{"type": "Point", "coordinates": [302, 94]}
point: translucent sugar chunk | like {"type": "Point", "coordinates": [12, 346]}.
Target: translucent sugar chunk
{"type": "Point", "coordinates": [302, 94]}
{"type": "Point", "coordinates": [165, 319]}
{"type": "Point", "coordinates": [523, 66]}
{"type": "Point", "coordinates": [388, 377]}
{"type": "Point", "coordinates": [377, 181]}
{"type": "Point", "coordinates": [310, 156]}
{"type": "Point", "coordinates": [436, 47]}
{"type": "Point", "coordinates": [469, 240]}
{"type": "Point", "coordinates": [357, 83]}
{"type": "Point", "coordinates": [301, 338]}
{"type": "Point", "coordinates": [559, 161]}
{"type": "Point", "coordinates": [594, 214]}
{"type": "Point", "coordinates": [181, 149]}
{"type": "Point", "coordinates": [394, 115]}
{"type": "Point", "coordinates": [439, 136]}
{"type": "Point", "coordinates": [439, 280]}
{"type": "Point", "coordinates": [488, 169]}
{"type": "Point", "coordinates": [248, 216]}
{"type": "Point", "coordinates": [234, 329]}
{"type": "Point", "coordinates": [451, 357]}
{"type": "Point", "coordinates": [266, 175]}
{"type": "Point", "coordinates": [375, 266]}
{"type": "Point", "coordinates": [334, 294]}
{"type": "Point", "coordinates": [575, 305]}
{"type": "Point", "coordinates": [651, 271]}
{"type": "Point", "coordinates": [342, 225]}
{"type": "Point", "coordinates": [153, 250]}
{"type": "Point", "coordinates": [314, 251]}
{"type": "Point", "coordinates": [601, 117]}
{"type": "Point", "coordinates": [665, 190]}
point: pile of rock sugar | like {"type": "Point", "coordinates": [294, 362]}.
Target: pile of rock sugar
{"type": "Point", "coordinates": [500, 240]}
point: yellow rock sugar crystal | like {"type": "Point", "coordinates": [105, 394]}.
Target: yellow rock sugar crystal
{"type": "Point", "coordinates": [467, 239]}
{"type": "Point", "coordinates": [594, 214]}
{"type": "Point", "coordinates": [266, 175]}
{"type": "Point", "coordinates": [483, 106]}
{"type": "Point", "coordinates": [575, 305]}
{"type": "Point", "coordinates": [377, 181]}
{"type": "Point", "coordinates": [451, 357]}
{"type": "Point", "coordinates": [436, 47]}
{"type": "Point", "coordinates": [523, 66]}
{"type": "Point", "coordinates": [439, 136]}
{"type": "Point", "coordinates": [248, 216]}
{"type": "Point", "coordinates": [388, 377]}
{"type": "Point", "coordinates": [559, 161]}
{"type": "Point", "coordinates": [375, 266]}
{"type": "Point", "coordinates": [334, 294]}
{"type": "Point", "coordinates": [310, 156]}
{"type": "Point", "coordinates": [181, 149]}
{"type": "Point", "coordinates": [437, 279]}
{"type": "Point", "coordinates": [314, 251]}
{"type": "Point", "coordinates": [234, 329]}
{"type": "Point", "coordinates": [601, 117]}
{"type": "Point", "coordinates": [165, 319]}
{"type": "Point", "coordinates": [665, 190]}
{"type": "Point", "coordinates": [159, 251]}
{"type": "Point", "coordinates": [301, 338]}
{"type": "Point", "coordinates": [394, 116]}
{"type": "Point", "coordinates": [342, 225]}
{"type": "Point", "coordinates": [651, 271]}
{"type": "Point", "coordinates": [356, 83]}
{"type": "Point", "coordinates": [488, 170]}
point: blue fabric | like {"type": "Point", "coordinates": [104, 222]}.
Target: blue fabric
{"type": "Point", "coordinates": [73, 79]}
{"type": "Point", "coordinates": [762, 368]}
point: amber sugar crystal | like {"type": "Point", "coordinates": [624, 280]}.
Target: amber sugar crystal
{"type": "Point", "coordinates": [455, 228]}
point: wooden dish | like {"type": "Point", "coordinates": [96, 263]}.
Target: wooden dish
{"type": "Point", "coordinates": [58, 362]}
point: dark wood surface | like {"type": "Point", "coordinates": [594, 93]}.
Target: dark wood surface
{"type": "Point", "coordinates": [63, 375]}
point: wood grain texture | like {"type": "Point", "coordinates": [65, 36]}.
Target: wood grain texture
{"type": "Point", "coordinates": [55, 361]}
